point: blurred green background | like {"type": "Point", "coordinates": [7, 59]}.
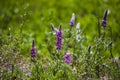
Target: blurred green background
{"type": "Point", "coordinates": [30, 19]}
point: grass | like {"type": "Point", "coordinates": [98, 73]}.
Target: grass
{"type": "Point", "coordinates": [94, 55]}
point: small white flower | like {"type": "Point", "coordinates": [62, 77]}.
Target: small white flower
{"type": "Point", "coordinates": [78, 26]}
{"type": "Point", "coordinates": [78, 32]}
{"type": "Point", "coordinates": [73, 16]}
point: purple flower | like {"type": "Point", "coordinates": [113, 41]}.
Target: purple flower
{"type": "Point", "coordinates": [33, 50]}
{"type": "Point", "coordinates": [104, 20]}
{"type": "Point", "coordinates": [59, 39]}
{"type": "Point", "coordinates": [67, 58]}
{"type": "Point", "coordinates": [72, 21]}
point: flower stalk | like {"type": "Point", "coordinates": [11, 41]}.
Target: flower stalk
{"type": "Point", "coordinates": [33, 50]}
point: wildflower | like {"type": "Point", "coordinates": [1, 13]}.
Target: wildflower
{"type": "Point", "coordinates": [72, 21]}
{"type": "Point", "coordinates": [59, 38]}
{"type": "Point", "coordinates": [78, 32]}
{"type": "Point", "coordinates": [104, 20]}
{"type": "Point", "coordinates": [78, 26]}
{"type": "Point", "coordinates": [33, 50]}
{"type": "Point", "coordinates": [67, 58]}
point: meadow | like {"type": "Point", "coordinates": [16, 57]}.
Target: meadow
{"type": "Point", "coordinates": [59, 40]}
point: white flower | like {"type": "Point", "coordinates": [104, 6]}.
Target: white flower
{"type": "Point", "coordinates": [78, 26]}
{"type": "Point", "coordinates": [78, 32]}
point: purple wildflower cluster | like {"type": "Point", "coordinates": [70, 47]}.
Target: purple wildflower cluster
{"type": "Point", "coordinates": [33, 50]}
{"type": "Point", "coordinates": [104, 20]}
{"type": "Point", "coordinates": [59, 39]}
{"type": "Point", "coordinates": [67, 58]}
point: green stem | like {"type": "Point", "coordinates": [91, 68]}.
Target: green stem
{"type": "Point", "coordinates": [99, 28]}
{"type": "Point", "coordinates": [104, 32]}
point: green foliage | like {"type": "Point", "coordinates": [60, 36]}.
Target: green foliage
{"type": "Point", "coordinates": [94, 56]}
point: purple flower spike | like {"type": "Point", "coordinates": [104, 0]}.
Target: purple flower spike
{"type": "Point", "coordinates": [72, 21]}
{"type": "Point", "coordinates": [104, 20]}
{"type": "Point", "coordinates": [59, 39]}
{"type": "Point", "coordinates": [33, 50]}
{"type": "Point", "coordinates": [67, 58]}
